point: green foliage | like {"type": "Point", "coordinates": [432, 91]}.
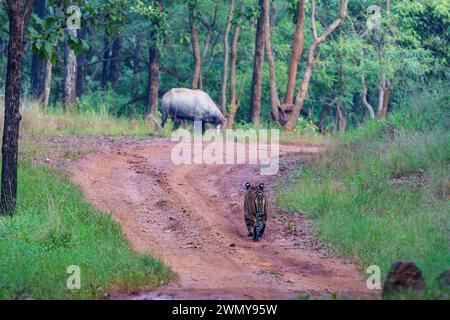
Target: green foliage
{"type": "Point", "coordinates": [55, 228]}
{"type": "Point", "coordinates": [382, 193]}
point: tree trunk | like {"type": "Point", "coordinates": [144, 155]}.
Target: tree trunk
{"type": "Point", "coordinates": [386, 96]}
{"type": "Point", "coordinates": [223, 98]}
{"type": "Point", "coordinates": [18, 15]}
{"type": "Point", "coordinates": [258, 63]}
{"type": "Point", "coordinates": [323, 114]}
{"type": "Point", "coordinates": [48, 85]}
{"type": "Point", "coordinates": [38, 64]}
{"type": "Point", "coordinates": [83, 60]}
{"type": "Point", "coordinates": [70, 74]}
{"type": "Point", "coordinates": [153, 72]}
{"type": "Point", "coordinates": [275, 100]}
{"type": "Point", "coordinates": [195, 50]}
{"type": "Point", "coordinates": [234, 47]}
{"type": "Point", "coordinates": [209, 28]}
{"type": "Point", "coordinates": [297, 50]}
{"type": "Point", "coordinates": [105, 58]}
{"type": "Point", "coordinates": [233, 102]}
{"type": "Point", "coordinates": [235, 106]}
{"type": "Point", "coordinates": [312, 60]}
{"type": "Point", "coordinates": [153, 80]}
{"type": "Point", "coordinates": [339, 105]}
{"type": "Point", "coordinates": [136, 63]}
{"type": "Point", "coordinates": [364, 99]}
{"type": "Point", "coordinates": [114, 66]}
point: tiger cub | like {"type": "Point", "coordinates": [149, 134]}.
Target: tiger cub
{"type": "Point", "coordinates": [255, 210]}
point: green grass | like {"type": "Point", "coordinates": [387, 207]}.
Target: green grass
{"type": "Point", "coordinates": [54, 228]}
{"type": "Point", "coordinates": [381, 194]}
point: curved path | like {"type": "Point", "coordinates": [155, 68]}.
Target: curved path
{"type": "Point", "coordinates": [190, 216]}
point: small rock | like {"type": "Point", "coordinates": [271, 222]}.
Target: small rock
{"type": "Point", "coordinates": [233, 245]}
{"type": "Point", "coordinates": [403, 276]}
{"type": "Point", "coordinates": [443, 280]}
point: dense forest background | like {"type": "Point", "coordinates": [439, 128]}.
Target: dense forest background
{"type": "Point", "coordinates": [128, 53]}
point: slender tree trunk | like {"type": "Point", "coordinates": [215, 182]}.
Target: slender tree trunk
{"type": "Point", "coordinates": [233, 102]}
{"type": "Point", "coordinates": [84, 59]}
{"type": "Point", "coordinates": [364, 99]}
{"type": "Point", "coordinates": [136, 63]}
{"type": "Point", "coordinates": [209, 27]}
{"type": "Point", "coordinates": [18, 15]}
{"type": "Point", "coordinates": [153, 80]}
{"type": "Point", "coordinates": [48, 85]}
{"type": "Point", "coordinates": [235, 106]}
{"type": "Point", "coordinates": [70, 74]}
{"type": "Point", "coordinates": [297, 50]}
{"type": "Point", "coordinates": [258, 63]}
{"type": "Point", "coordinates": [234, 47]}
{"type": "Point", "coordinates": [386, 96]}
{"type": "Point", "coordinates": [223, 98]}
{"type": "Point", "coordinates": [195, 49]}
{"type": "Point", "coordinates": [105, 57]}
{"type": "Point", "coordinates": [153, 72]}
{"type": "Point", "coordinates": [81, 66]}
{"type": "Point", "coordinates": [312, 60]}
{"type": "Point", "coordinates": [339, 105]}
{"type": "Point", "coordinates": [275, 100]}
{"type": "Point", "coordinates": [381, 88]}
{"type": "Point", "coordinates": [38, 64]}
{"type": "Point", "coordinates": [323, 114]}
{"type": "Point", "coordinates": [114, 66]}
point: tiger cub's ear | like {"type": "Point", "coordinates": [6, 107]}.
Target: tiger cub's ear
{"type": "Point", "coordinates": [247, 186]}
{"type": "Point", "coordinates": [261, 186]}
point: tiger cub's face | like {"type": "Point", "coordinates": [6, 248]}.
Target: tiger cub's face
{"type": "Point", "coordinates": [259, 187]}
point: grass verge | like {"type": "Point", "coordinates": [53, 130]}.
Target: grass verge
{"type": "Point", "coordinates": [55, 228]}
{"type": "Point", "coordinates": [381, 194]}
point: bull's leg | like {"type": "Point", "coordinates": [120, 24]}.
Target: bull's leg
{"type": "Point", "coordinates": [203, 127]}
{"type": "Point", "coordinates": [176, 122]}
{"type": "Point", "coordinates": [164, 119]}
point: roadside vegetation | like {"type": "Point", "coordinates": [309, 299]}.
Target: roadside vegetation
{"type": "Point", "coordinates": [381, 193]}
{"type": "Point", "coordinates": [54, 228]}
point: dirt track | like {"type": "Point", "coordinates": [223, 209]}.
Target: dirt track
{"type": "Point", "coordinates": [190, 216]}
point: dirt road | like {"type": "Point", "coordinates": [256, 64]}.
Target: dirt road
{"type": "Point", "coordinates": [190, 216]}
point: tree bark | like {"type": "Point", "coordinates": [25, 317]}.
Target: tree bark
{"type": "Point", "coordinates": [153, 80]}
{"type": "Point", "coordinates": [223, 98]}
{"type": "Point", "coordinates": [275, 99]}
{"type": "Point", "coordinates": [233, 102]}
{"type": "Point", "coordinates": [153, 71]}
{"type": "Point", "coordinates": [105, 57]}
{"type": "Point", "coordinates": [339, 105]}
{"type": "Point", "coordinates": [38, 65]}
{"type": "Point", "coordinates": [312, 60]}
{"type": "Point", "coordinates": [364, 99]}
{"type": "Point", "coordinates": [258, 63]}
{"type": "Point", "coordinates": [70, 73]}
{"type": "Point", "coordinates": [297, 50]}
{"type": "Point", "coordinates": [234, 47]}
{"type": "Point", "coordinates": [209, 27]}
{"type": "Point", "coordinates": [386, 96]}
{"type": "Point", "coordinates": [82, 64]}
{"type": "Point", "coordinates": [136, 63]}
{"type": "Point", "coordinates": [18, 15]}
{"type": "Point", "coordinates": [114, 66]}
{"type": "Point", "coordinates": [235, 106]}
{"type": "Point", "coordinates": [48, 85]}
{"type": "Point", "coordinates": [195, 49]}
